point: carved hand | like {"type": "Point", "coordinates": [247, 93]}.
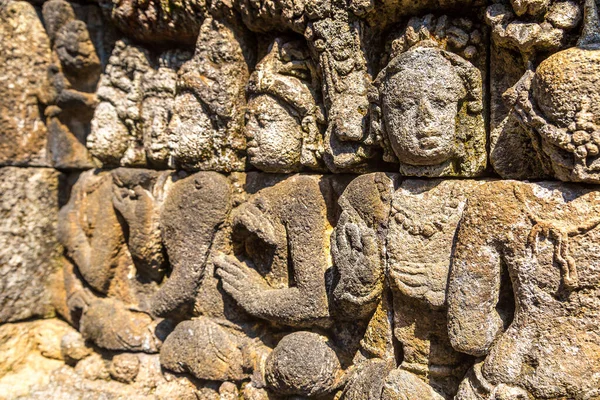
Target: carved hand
{"type": "Point", "coordinates": [133, 204]}
{"type": "Point", "coordinates": [255, 221]}
{"type": "Point", "coordinates": [241, 282]}
{"type": "Point", "coordinates": [356, 256]}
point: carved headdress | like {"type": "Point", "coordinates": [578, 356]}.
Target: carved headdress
{"type": "Point", "coordinates": [559, 106]}
{"type": "Point", "coordinates": [288, 74]}
{"type": "Point", "coordinates": [457, 41]}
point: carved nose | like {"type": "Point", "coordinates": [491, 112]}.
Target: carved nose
{"type": "Point", "coordinates": [425, 118]}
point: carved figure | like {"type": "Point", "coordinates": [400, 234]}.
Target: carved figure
{"type": "Point", "coordinates": [523, 292]}
{"type": "Point", "coordinates": [558, 106]}
{"type": "Point", "coordinates": [206, 130]}
{"type": "Point", "coordinates": [522, 32]}
{"type": "Point", "coordinates": [427, 110]}
{"type": "Point", "coordinates": [72, 78]}
{"type": "Point", "coordinates": [214, 341]}
{"type": "Point", "coordinates": [411, 286]}
{"type": "Point", "coordinates": [159, 88]}
{"type": "Point", "coordinates": [195, 208]}
{"type": "Point", "coordinates": [335, 37]}
{"type": "Point", "coordinates": [279, 236]}
{"type": "Point", "coordinates": [116, 136]}
{"type": "Point", "coordinates": [93, 236]}
{"type": "Point", "coordinates": [284, 118]}
{"type": "Point", "coordinates": [281, 226]}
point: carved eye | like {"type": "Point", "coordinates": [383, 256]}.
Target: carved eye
{"type": "Point", "coordinates": [441, 103]}
{"type": "Point", "coordinates": [406, 104]}
{"type": "Point", "coordinates": [264, 120]}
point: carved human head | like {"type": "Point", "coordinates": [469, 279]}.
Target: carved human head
{"type": "Point", "coordinates": [559, 106]}
{"type": "Point", "coordinates": [283, 118]}
{"type": "Point", "coordinates": [428, 110]}
{"type": "Point", "coordinates": [115, 137]}
{"type": "Point", "coordinates": [190, 131]}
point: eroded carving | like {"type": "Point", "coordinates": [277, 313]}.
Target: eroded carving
{"type": "Point", "coordinates": [557, 105]}
{"type": "Point", "coordinates": [531, 266]}
{"type": "Point", "coordinates": [205, 278]}
{"type": "Point", "coordinates": [206, 130]}
{"type": "Point", "coordinates": [428, 106]}
{"type": "Point", "coordinates": [284, 119]}
{"type": "Point", "coordinates": [125, 270]}
{"type": "Point", "coordinates": [522, 34]}
{"type": "Point", "coordinates": [412, 277]}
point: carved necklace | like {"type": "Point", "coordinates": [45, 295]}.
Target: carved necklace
{"type": "Point", "coordinates": [418, 224]}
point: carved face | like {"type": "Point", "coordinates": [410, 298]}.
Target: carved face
{"type": "Point", "coordinates": [274, 136]}
{"type": "Point", "coordinates": [420, 105]}
{"type": "Point", "coordinates": [190, 130]}
{"type": "Point", "coordinates": [109, 137]}
{"type": "Point", "coordinates": [75, 48]}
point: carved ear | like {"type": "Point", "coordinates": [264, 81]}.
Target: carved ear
{"type": "Point", "coordinates": [312, 143]}
{"type": "Point", "coordinates": [471, 77]}
{"type": "Point", "coordinates": [377, 131]}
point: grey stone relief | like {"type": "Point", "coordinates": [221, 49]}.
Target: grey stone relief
{"type": "Point", "coordinates": [293, 200]}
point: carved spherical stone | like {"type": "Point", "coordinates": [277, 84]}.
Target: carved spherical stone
{"type": "Point", "coordinates": [302, 364]}
{"type": "Point", "coordinates": [566, 79]}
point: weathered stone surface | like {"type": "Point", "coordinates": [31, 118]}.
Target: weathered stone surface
{"type": "Point", "coordinates": [417, 234]}
{"type": "Point", "coordinates": [428, 110]}
{"type": "Point", "coordinates": [303, 364]}
{"type": "Point", "coordinates": [157, 21]}
{"type": "Point", "coordinates": [196, 207]}
{"type": "Point", "coordinates": [25, 57]}
{"type": "Point", "coordinates": [222, 253]}
{"type": "Point", "coordinates": [557, 106]}
{"type": "Point", "coordinates": [90, 379]}
{"type": "Point", "coordinates": [116, 137]}
{"type": "Point", "coordinates": [79, 40]}
{"type": "Point", "coordinates": [103, 207]}
{"type": "Point", "coordinates": [30, 253]}
{"type": "Point", "coordinates": [284, 121]}
{"type": "Point", "coordinates": [206, 132]}
{"type": "Point", "coordinates": [520, 33]}
{"type": "Point", "coordinates": [29, 353]}
{"type": "Point", "coordinates": [268, 232]}
{"type": "Point", "coordinates": [522, 291]}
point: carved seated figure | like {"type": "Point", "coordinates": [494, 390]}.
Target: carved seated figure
{"type": "Point", "coordinates": [558, 105]}
{"type": "Point", "coordinates": [417, 234]}
{"type": "Point", "coordinates": [284, 121]}
{"type": "Point", "coordinates": [210, 341]}
{"type": "Point", "coordinates": [109, 303]}
{"type": "Point", "coordinates": [428, 102]}
{"type": "Point", "coordinates": [281, 232]}
{"type": "Point", "coordinates": [277, 274]}
{"type": "Point", "coordinates": [279, 235]}
{"type": "Point", "coordinates": [523, 292]}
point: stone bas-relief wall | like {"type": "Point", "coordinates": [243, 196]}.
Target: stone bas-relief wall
{"type": "Point", "coordinates": [269, 200]}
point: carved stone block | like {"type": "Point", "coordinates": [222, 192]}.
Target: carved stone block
{"type": "Point", "coordinates": [30, 255]}
{"type": "Point", "coordinates": [25, 56]}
